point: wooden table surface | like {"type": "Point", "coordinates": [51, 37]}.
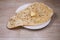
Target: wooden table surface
{"type": "Point", "coordinates": [51, 32]}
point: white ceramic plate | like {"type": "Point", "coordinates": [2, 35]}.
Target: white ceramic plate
{"type": "Point", "coordinates": [32, 27]}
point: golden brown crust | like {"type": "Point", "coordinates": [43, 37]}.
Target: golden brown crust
{"type": "Point", "coordinates": [35, 14]}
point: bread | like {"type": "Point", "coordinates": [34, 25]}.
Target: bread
{"type": "Point", "coordinates": [35, 14]}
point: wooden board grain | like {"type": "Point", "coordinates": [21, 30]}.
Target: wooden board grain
{"type": "Point", "coordinates": [51, 32]}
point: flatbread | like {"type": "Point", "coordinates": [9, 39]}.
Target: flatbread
{"type": "Point", "coordinates": [35, 14]}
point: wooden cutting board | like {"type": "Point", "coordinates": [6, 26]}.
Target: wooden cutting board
{"type": "Point", "coordinates": [8, 8]}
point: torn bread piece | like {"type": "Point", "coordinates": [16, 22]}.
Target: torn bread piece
{"type": "Point", "coordinates": [35, 14]}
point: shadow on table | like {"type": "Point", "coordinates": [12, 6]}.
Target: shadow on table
{"type": "Point", "coordinates": [16, 28]}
